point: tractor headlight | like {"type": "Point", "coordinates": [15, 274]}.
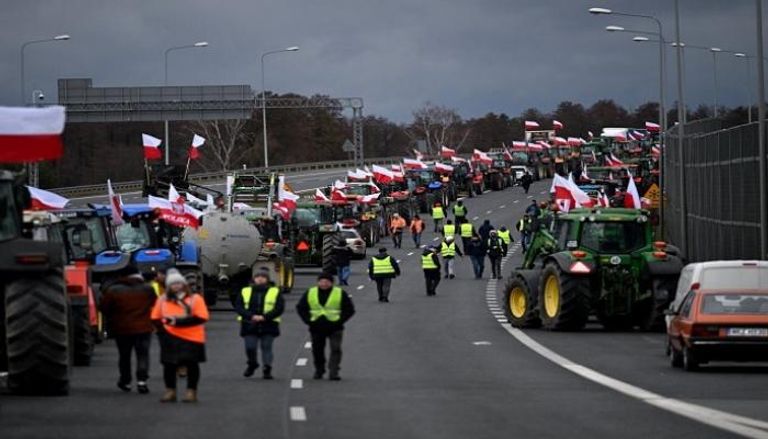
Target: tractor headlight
{"type": "Point", "coordinates": [642, 219]}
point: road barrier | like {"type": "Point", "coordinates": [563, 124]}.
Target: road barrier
{"type": "Point", "coordinates": [218, 176]}
{"type": "Point", "coordinates": [721, 191]}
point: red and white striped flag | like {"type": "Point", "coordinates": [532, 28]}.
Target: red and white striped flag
{"type": "Point", "coordinates": [447, 153]}
{"type": "Point", "coordinates": [480, 156]}
{"type": "Point", "coordinates": [443, 169]}
{"type": "Point", "coordinates": [418, 154]}
{"type": "Point", "coordinates": [650, 126]}
{"type": "Point", "coordinates": [557, 125]}
{"type": "Point", "coordinates": [197, 142]}
{"type": "Point", "coordinates": [320, 196]}
{"type": "Point", "coordinates": [45, 200]}
{"type": "Point", "coordinates": [413, 164]}
{"type": "Point", "coordinates": [560, 141]}
{"type": "Point", "coordinates": [382, 175]}
{"type": "Point", "coordinates": [151, 147]}
{"type": "Point", "coordinates": [115, 204]}
{"type": "Point", "coordinates": [285, 196]}
{"type": "Point", "coordinates": [531, 125]}
{"type": "Point", "coordinates": [632, 196]}
{"type": "Point", "coordinates": [574, 141]}
{"type": "Point", "coordinates": [31, 134]}
{"type": "Point", "coordinates": [369, 199]}
{"type": "Point", "coordinates": [396, 167]}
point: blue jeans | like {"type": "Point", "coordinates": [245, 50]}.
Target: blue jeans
{"type": "Point", "coordinates": [478, 265]}
{"type": "Point", "coordinates": [252, 344]}
{"type": "Point", "coordinates": [417, 239]}
{"type": "Point", "coordinates": [344, 272]}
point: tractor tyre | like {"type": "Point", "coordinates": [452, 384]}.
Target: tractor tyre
{"type": "Point", "coordinates": [652, 318]}
{"type": "Point", "coordinates": [83, 336]}
{"type": "Point", "coordinates": [194, 277]}
{"type": "Point", "coordinates": [563, 300]}
{"type": "Point", "coordinates": [328, 262]}
{"type": "Point", "coordinates": [520, 305]}
{"type": "Point", "coordinates": [37, 335]}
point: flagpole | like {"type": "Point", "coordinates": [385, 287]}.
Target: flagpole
{"type": "Point", "coordinates": [186, 171]}
{"type": "Point", "coordinates": [146, 171]}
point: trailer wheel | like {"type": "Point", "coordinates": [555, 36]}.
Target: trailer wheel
{"type": "Point", "coordinates": [37, 335]}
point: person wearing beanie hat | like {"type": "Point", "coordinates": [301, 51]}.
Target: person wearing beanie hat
{"type": "Point", "coordinates": [180, 317]}
{"type": "Point", "coordinates": [126, 306]}
{"type": "Point", "coordinates": [325, 308]}
{"type": "Point", "coordinates": [430, 263]}
{"type": "Point", "coordinates": [259, 307]}
{"type": "Point", "coordinates": [382, 268]}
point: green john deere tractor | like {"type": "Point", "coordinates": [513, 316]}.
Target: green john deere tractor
{"type": "Point", "coordinates": [600, 262]}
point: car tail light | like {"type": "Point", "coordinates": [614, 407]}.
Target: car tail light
{"type": "Point", "coordinates": [580, 267]}
{"type": "Point", "coordinates": [696, 286]}
{"type": "Point", "coordinates": [579, 254]}
{"type": "Point", "coordinates": [660, 255]}
{"type": "Point", "coordinates": [660, 245]}
{"type": "Point", "coordinates": [359, 242]}
{"type": "Point", "coordinates": [32, 259]}
{"type": "Point", "coordinates": [705, 331]}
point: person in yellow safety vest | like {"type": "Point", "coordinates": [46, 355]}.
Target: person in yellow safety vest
{"type": "Point", "coordinates": [325, 308]}
{"type": "Point", "coordinates": [460, 212]}
{"type": "Point", "coordinates": [430, 263]}
{"type": "Point", "coordinates": [259, 307]}
{"type": "Point", "coordinates": [506, 236]}
{"type": "Point", "coordinates": [382, 269]}
{"type": "Point", "coordinates": [448, 251]}
{"type": "Point", "coordinates": [449, 229]}
{"type": "Point", "coordinates": [466, 230]}
{"type": "Point", "coordinates": [158, 283]}
{"type": "Point", "coordinates": [437, 215]}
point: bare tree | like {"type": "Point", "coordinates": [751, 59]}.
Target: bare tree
{"type": "Point", "coordinates": [438, 125]}
{"type": "Point", "coordinates": [228, 142]}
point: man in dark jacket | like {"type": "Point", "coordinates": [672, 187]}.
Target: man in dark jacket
{"type": "Point", "coordinates": [476, 251]}
{"type": "Point", "coordinates": [485, 231]}
{"type": "Point", "coordinates": [496, 250]}
{"type": "Point", "coordinates": [127, 306]}
{"type": "Point", "coordinates": [525, 181]}
{"type": "Point", "coordinates": [430, 263]}
{"type": "Point", "coordinates": [342, 255]}
{"type": "Point", "coordinates": [259, 307]}
{"type": "Point", "coordinates": [325, 308]}
{"type": "Point", "coordinates": [382, 269]}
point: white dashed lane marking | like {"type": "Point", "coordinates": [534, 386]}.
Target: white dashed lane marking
{"type": "Point", "coordinates": [475, 218]}
{"type": "Point", "coordinates": [297, 383]}
{"type": "Point", "coordinates": [410, 253]}
{"type": "Point", "coordinates": [298, 414]}
{"type": "Point", "coordinates": [301, 362]}
{"type": "Point", "coordinates": [503, 206]}
{"type": "Point", "coordinates": [308, 345]}
{"type": "Point", "coordinates": [488, 212]}
{"type": "Point", "coordinates": [516, 201]}
{"type": "Point", "coordinates": [360, 287]}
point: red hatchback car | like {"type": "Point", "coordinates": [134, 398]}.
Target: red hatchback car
{"type": "Point", "coordinates": [719, 325]}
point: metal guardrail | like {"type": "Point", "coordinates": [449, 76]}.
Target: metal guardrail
{"type": "Point", "coordinates": [218, 176]}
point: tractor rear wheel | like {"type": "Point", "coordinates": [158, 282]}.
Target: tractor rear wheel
{"type": "Point", "coordinates": [83, 335]}
{"type": "Point", "coordinates": [37, 335]}
{"type": "Point", "coordinates": [328, 262]}
{"type": "Point", "coordinates": [520, 304]}
{"type": "Point", "coordinates": [563, 300]}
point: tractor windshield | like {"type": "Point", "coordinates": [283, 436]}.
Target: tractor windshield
{"type": "Point", "coordinates": [133, 236]}
{"type": "Point", "coordinates": [306, 218]}
{"type": "Point", "coordinates": [9, 216]}
{"type": "Point", "coordinates": [613, 236]}
{"type": "Point", "coordinates": [75, 226]}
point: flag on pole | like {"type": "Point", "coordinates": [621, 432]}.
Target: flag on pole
{"type": "Point", "coordinates": [418, 154]}
{"type": "Point", "coordinates": [45, 200]}
{"type": "Point", "coordinates": [285, 196]}
{"type": "Point", "coordinates": [151, 147]}
{"type": "Point", "coordinates": [413, 164]}
{"type": "Point", "coordinates": [632, 196]}
{"type": "Point", "coordinates": [443, 169]}
{"type": "Point", "coordinates": [447, 153]}
{"type": "Point", "coordinates": [31, 134]}
{"type": "Point", "coordinates": [369, 199]}
{"type": "Point", "coordinates": [197, 142]}
{"type": "Point", "coordinates": [320, 196]}
{"type": "Point", "coordinates": [650, 126]}
{"type": "Point", "coordinates": [480, 156]}
{"type": "Point", "coordinates": [115, 204]}
{"type": "Point", "coordinates": [557, 125]}
{"type": "Point", "coordinates": [175, 210]}
{"type": "Point", "coordinates": [531, 125]}
{"type": "Point", "coordinates": [590, 136]}
{"type": "Point", "coordinates": [382, 175]}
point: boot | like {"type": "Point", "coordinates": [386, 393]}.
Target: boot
{"type": "Point", "coordinates": [267, 373]}
{"type": "Point", "coordinates": [250, 370]}
{"type": "Point", "coordinates": [169, 396]}
{"type": "Point", "coordinates": [191, 396]}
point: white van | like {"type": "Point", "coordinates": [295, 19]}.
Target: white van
{"type": "Point", "coordinates": [717, 275]}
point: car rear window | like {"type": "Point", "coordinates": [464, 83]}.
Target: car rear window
{"type": "Point", "coordinates": [731, 303]}
{"type": "Point", "coordinates": [737, 278]}
{"type": "Point", "coordinates": [349, 235]}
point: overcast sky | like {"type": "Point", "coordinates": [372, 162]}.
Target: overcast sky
{"type": "Point", "coordinates": [473, 55]}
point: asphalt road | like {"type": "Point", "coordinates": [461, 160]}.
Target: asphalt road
{"type": "Point", "coordinates": [418, 367]}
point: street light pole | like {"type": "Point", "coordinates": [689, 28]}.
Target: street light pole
{"type": "Point", "coordinates": [761, 131]}
{"type": "Point", "coordinates": [715, 51]}
{"type": "Point", "coordinates": [680, 135]}
{"type": "Point", "coordinates": [264, 100]}
{"type": "Point", "coordinates": [748, 63]}
{"type": "Point", "coordinates": [63, 37]}
{"type": "Point", "coordinates": [199, 44]}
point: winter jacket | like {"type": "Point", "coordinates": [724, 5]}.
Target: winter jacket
{"type": "Point", "coordinates": [127, 306]}
{"type": "Point", "coordinates": [256, 307]}
{"type": "Point", "coordinates": [342, 256]}
{"type": "Point", "coordinates": [322, 325]}
{"type": "Point", "coordinates": [476, 248]}
{"type": "Point", "coordinates": [485, 231]}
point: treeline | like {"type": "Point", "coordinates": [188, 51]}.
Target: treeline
{"type": "Point", "coordinates": [97, 151]}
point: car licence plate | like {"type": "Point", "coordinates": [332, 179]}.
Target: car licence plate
{"type": "Point", "coordinates": [748, 332]}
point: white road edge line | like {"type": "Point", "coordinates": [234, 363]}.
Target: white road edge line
{"type": "Point", "coordinates": [297, 383]}
{"type": "Point", "coordinates": [298, 414]}
{"type": "Point", "coordinates": [747, 427]}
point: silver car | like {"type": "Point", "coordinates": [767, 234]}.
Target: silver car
{"type": "Point", "coordinates": [355, 242]}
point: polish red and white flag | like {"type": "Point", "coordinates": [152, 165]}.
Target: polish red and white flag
{"type": "Point", "coordinates": [480, 156]}
{"type": "Point", "coordinates": [115, 204]}
{"type": "Point", "coordinates": [320, 196]}
{"type": "Point", "coordinates": [447, 153]}
{"type": "Point", "coordinates": [45, 200]}
{"type": "Point", "coordinates": [175, 210]}
{"type": "Point", "coordinates": [285, 196]}
{"type": "Point", "coordinates": [382, 174]}
{"type": "Point", "coordinates": [413, 164]}
{"type": "Point", "coordinates": [650, 126]}
{"type": "Point", "coordinates": [632, 196]}
{"type": "Point", "coordinates": [557, 125]}
{"type": "Point", "coordinates": [31, 134]}
{"type": "Point", "coordinates": [396, 167]}
{"type": "Point", "coordinates": [151, 147]}
{"type": "Point", "coordinates": [443, 169]}
{"type": "Point", "coordinates": [197, 142]}
{"type": "Point", "coordinates": [419, 156]}
{"type": "Point", "coordinates": [561, 141]}
{"type": "Point", "coordinates": [369, 199]}
{"type": "Point", "coordinates": [338, 195]}
{"type": "Point", "coordinates": [531, 125]}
